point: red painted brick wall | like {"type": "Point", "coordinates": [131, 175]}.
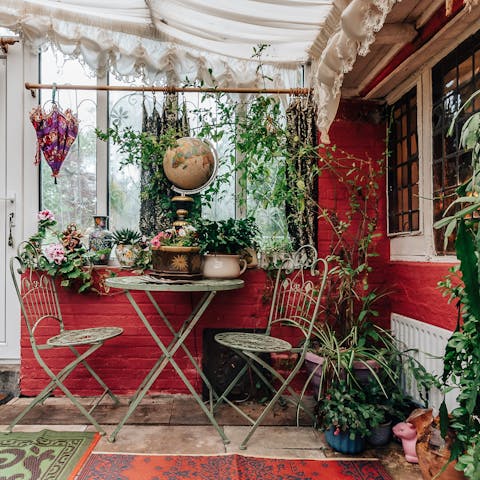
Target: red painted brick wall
{"type": "Point", "coordinates": [416, 295]}
{"type": "Point", "coordinates": [413, 285]}
{"type": "Point", "coordinates": [125, 360]}
{"type": "Point", "coordinates": [359, 131]}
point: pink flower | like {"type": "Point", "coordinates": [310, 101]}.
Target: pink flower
{"type": "Point", "coordinates": [55, 253]}
{"type": "Point", "coordinates": [337, 431]}
{"type": "Point", "coordinates": [45, 215]}
{"type": "Point", "coordinates": [159, 239]}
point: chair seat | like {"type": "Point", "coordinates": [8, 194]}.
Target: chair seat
{"type": "Point", "coordinates": [86, 336]}
{"type": "Point", "coordinates": [252, 342]}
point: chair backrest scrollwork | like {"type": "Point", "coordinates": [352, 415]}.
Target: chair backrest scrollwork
{"type": "Point", "coordinates": [298, 290]}
{"type": "Point", "coordinates": [35, 288]}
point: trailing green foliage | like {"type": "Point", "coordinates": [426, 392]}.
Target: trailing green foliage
{"type": "Point", "coordinates": [67, 258]}
{"type": "Point", "coordinates": [145, 150]}
{"type": "Point", "coordinates": [462, 286]}
{"type": "Point", "coordinates": [350, 300]}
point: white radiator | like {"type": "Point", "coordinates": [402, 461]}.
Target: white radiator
{"type": "Point", "coordinates": [430, 341]}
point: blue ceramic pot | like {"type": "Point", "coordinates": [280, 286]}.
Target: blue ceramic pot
{"type": "Point", "coordinates": [342, 442]}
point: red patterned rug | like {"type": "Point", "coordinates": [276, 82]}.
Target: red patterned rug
{"type": "Point", "coordinates": [114, 466]}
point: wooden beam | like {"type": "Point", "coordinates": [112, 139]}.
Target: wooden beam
{"type": "Point", "coordinates": [396, 33]}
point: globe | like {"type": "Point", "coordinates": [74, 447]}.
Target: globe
{"type": "Point", "coordinates": [190, 165]}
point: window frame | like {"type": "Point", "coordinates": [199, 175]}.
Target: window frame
{"type": "Point", "coordinates": [392, 169]}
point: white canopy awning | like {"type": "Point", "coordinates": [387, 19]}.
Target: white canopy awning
{"type": "Point", "coordinates": [169, 41]}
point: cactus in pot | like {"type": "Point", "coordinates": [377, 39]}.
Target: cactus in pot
{"type": "Point", "coordinates": [127, 246]}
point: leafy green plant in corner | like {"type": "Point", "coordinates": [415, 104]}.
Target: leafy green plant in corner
{"type": "Point", "coordinates": [462, 286]}
{"type": "Point", "coordinates": [347, 409]}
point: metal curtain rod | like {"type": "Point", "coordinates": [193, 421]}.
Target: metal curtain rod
{"type": "Point", "coordinates": [170, 89]}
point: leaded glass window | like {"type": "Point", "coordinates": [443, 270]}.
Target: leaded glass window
{"type": "Point", "coordinates": [403, 193]}
{"type": "Point", "coordinates": [455, 78]}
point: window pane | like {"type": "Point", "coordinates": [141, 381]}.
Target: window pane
{"type": "Point", "coordinates": [73, 198]}
{"type": "Point", "coordinates": [125, 110]}
{"type": "Point", "coordinates": [403, 165]}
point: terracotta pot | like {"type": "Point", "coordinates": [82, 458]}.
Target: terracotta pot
{"type": "Point", "coordinates": [223, 266]}
{"type": "Point", "coordinates": [362, 373]}
{"type": "Point", "coordinates": [433, 453]}
{"type": "Point", "coordinates": [177, 260]}
{"type": "Point", "coordinates": [313, 363]}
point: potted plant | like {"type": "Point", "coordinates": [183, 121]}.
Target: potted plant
{"type": "Point", "coordinates": [364, 355]}
{"type": "Point", "coordinates": [175, 251]}
{"type": "Point", "coordinates": [347, 417]}
{"type": "Point", "coordinates": [394, 407]}
{"type": "Point", "coordinates": [127, 246]}
{"type": "Point", "coordinates": [65, 256]}
{"type": "Point", "coordinates": [221, 242]}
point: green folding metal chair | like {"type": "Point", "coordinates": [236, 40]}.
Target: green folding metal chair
{"type": "Point", "coordinates": [40, 309]}
{"type": "Point", "coordinates": [299, 285]}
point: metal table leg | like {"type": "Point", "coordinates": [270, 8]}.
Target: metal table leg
{"type": "Point", "coordinates": [167, 357]}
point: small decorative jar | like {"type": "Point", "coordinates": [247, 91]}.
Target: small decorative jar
{"type": "Point", "coordinates": [100, 240]}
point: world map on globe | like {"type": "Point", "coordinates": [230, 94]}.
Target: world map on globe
{"type": "Point", "coordinates": [190, 164]}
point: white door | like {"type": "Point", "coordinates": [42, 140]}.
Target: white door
{"type": "Point", "coordinates": [8, 336]}
{"type": "Point", "coordinates": [11, 194]}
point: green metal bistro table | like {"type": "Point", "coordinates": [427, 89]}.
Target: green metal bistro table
{"type": "Point", "coordinates": [150, 284]}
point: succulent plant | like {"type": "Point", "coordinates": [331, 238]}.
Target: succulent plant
{"type": "Point", "coordinates": [126, 236]}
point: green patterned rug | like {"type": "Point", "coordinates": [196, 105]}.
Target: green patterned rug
{"type": "Point", "coordinates": [45, 455]}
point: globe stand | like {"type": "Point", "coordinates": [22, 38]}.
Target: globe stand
{"type": "Point", "coordinates": [183, 204]}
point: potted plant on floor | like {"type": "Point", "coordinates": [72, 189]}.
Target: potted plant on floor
{"type": "Point", "coordinates": [347, 417]}
{"type": "Point", "coordinates": [127, 246]}
{"type": "Point", "coordinates": [394, 407]}
{"type": "Point", "coordinates": [221, 241]}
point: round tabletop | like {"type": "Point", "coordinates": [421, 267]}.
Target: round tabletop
{"type": "Point", "coordinates": [154, 284]}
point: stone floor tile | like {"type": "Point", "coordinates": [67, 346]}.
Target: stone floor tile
{"type": "Point", "coordinates": [164, 439]}
{"type": "Point", "coordinates": [299, 441]}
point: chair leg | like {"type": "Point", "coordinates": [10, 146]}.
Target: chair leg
{"type": "Point", "coordinates": [94, 374]}
{"type": "Point", "coordinates": [297, 402]}
{"type": "Point", "coordinates": [56, 381]}
{"type": "Point", "coordinates": [40, 398]}
{"type": "Point", "coordinates": [223, 396]}
{"type": "Point", "coordinates": [285, 385]}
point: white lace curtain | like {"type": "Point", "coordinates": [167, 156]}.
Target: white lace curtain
{"type": "Point", "coordinates": [169, 41]}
